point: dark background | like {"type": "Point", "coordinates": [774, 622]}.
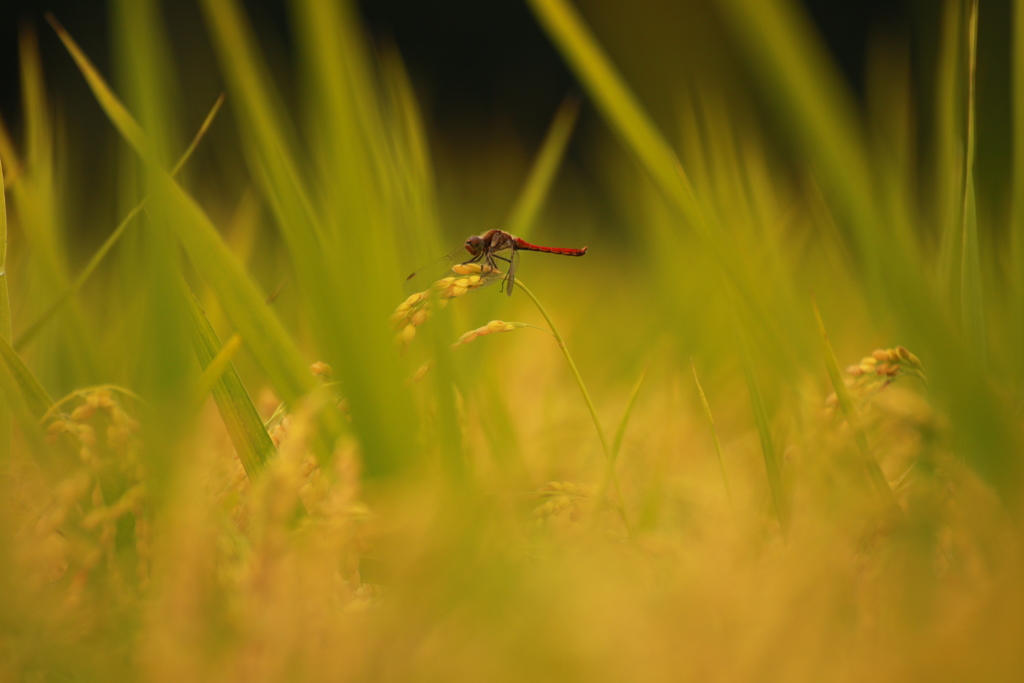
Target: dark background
{"type": "Point", "coordinates": [468, 57]}
{"type": "Point", "coordinates": [485, 65]}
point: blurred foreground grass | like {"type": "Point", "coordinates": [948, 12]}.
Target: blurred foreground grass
{"type": "Point", "coordinates": [413, 511]}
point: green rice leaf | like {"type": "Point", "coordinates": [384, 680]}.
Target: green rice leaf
{"type": "Point", "coordinates": [972, 311]}
{"type": "Point", "coordinates": [714, 435]}
{"type": "Point", "coordinates": [878, 480]}
{"type": "Point", "coordinates": [32, 329]}
{"type": "Point", "coordinates": [13, 170]}
{"type": "Point", "coordinates": [627, 412]}
{"type": "Point", "coordinates": [250, 438]}
{"type": "Point", "coordinates": [618, 104]}
{"type": "Point", "coordinates": [949, 145]}
{"type": "Point", "coordinates": [267, 134]}
{"type": "Point", "coordinates": [804, 84]}
{"type": "Point", "coordinates": [40, 209]}
{"type": "Point", "coordinates": [5, 321]}
{"type": "Point", "coordinates": [244, 304]}
{"type": "Point", "coordinates": [265, 336]}
{"type": "Point", "coordinates": [760, 410]}
{"type": "Point", "coordinates": [26, 399]}
{"type": "Point", "coordinates": [356, 257]}
{"type": "Point", "coordinates": [200, 134]}
{"type": "Point", "coordinates": [412, 167]}
{"type": "Point", "coordinates": [630, 121]}
{"type": "Point", "coordinates": [25, 386]}
{"type": "Point", "coordinates": [620, 433]}
{"type": "Point", "coordinates": [122, 120]}
{"type": "Point", "coordinates": [1017, 188]}
{"type": "Point", "coordinates": [216, 367]}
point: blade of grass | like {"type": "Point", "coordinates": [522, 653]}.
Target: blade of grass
{"type": "Point", "coordinates": [805, 84]}
{"type": "Point", "coordinates": [241, 234]}
{"type": "Point", "coordinates": [875, 474]}
{"type": "Point", "coordinates": [30, 390]}
{"type": "Point", "coordinates": [263, 333]}
{"type": "Point", "coordinates": [714, 437]}
{"type": "Point", "coordinates": [412, 166]}
{"type": "Point", "coordinates": [115, 111]}
{"type": "Point", "coordinates": [148, 85]}
{"type": "Point", "coordinates": [629, 120]}
{"type": "Point", "coordinates": [538, 184]}
{"type": "Point", "coordinates": [619, 104]}
{"type": "Point", "coordinates": [760, 410]}
{"type": "Point", "coordinates": [620, 431]}
{"type": "Point", "coordinates": [268, 134]}
{"type": "Point", "coordinates": [971, 296]}
{"type": "Point", "coordinates": [215, 369]}
{"type": "Point", "coordinates": [586, 397]}
{"type": "Point", "coordinates": [1017, 188]}
{"type": "Point", "coordinates": [523, 215]}
{"type": "Point", "coordinates": [341, 243]}
{"type": "Point", "coordinates": [31, 330]}
{"type": "Point", "coordinates": [7, 155]}
{"type": "Point", "coordinates": [39, 206]}
{"type": "Point", "coordinates": [200, 134]}
{"type": "Point", "coordinates": [794, 65]}
{"type": "Point", "coordinates": [265, 337]}
{"type": "Point", "coordinates": [27, 402]}
{"type": "Point", "coordinates": [360, 236]}
{"type": "Point", "coordinates": [610, 475]}
{"type": "Point", "coordinates": [6, 416]}
{"type": "Point", "coordinates": [244, 304]}
{"type": "Point", "coordinates": [949, 151]}
{"type": "Point", "coordinates": [251, 441]}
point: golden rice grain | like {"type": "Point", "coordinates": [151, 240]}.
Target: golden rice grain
{"type": "Point", "coordinates": [83, 412]}
{"type": "Point", "coordinates": [321, 369]}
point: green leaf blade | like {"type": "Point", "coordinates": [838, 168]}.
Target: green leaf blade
{"type": "Point", "coordinates": [250, 438]}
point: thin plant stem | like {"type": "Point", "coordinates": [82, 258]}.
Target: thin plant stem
{"type": "Point", "coordinates": [714, 437]}
{"type": "Point", "coordinates": [31, 331]}
{"type": "Point", "coordinates": [590, 404]}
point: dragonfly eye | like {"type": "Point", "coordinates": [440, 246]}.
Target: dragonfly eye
{"type": "Point", "coordinates": [474, 245]}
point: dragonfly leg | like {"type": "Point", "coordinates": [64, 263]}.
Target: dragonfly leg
{"type": "Point", "coordinates": [509, 273]}
{"type": "Point", "coordinates": [491, 258]}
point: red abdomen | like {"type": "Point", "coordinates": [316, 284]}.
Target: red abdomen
{"type": "Point", "coordinates": [526, 246]}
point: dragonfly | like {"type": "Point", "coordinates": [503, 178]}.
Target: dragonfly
{"type": "Point", "coordinates": [495, 255]}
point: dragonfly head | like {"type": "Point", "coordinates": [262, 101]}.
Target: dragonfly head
{"type": "Point", "coordinates": [475, 245]}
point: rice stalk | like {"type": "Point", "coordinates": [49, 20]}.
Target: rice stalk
{"type": "Point", "coordinates": [6, 416]}
{"type": "Point", "coordinates": [972, 310]}
{"type": "Point", "coordinates": [780, 499]}
{"type": "Point", "coordinates": [1017, 187]}
{"type": "Point", "coordinates": [34, 327]}
{"type": "Point", "coordinates": [875, 474]}
{"type": "Point", "coordinates": [608, 453]}
{"type": "Point", "coordinates": [250, 438]}
{"type": "Point", "coordinates": [264, 335]}
{"type": "Point", "coordinates": [714, 438]}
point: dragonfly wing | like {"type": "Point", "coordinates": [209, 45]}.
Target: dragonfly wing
{"type": "Point", "coordinates": [513, 265]}
{"type": "Point", "coordinates": [421, 279]}
{"type": "Point", "coordinates": [505, 261]}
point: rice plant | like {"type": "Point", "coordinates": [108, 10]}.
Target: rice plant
{"type": "Point", "coordinates": [233, 448]}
